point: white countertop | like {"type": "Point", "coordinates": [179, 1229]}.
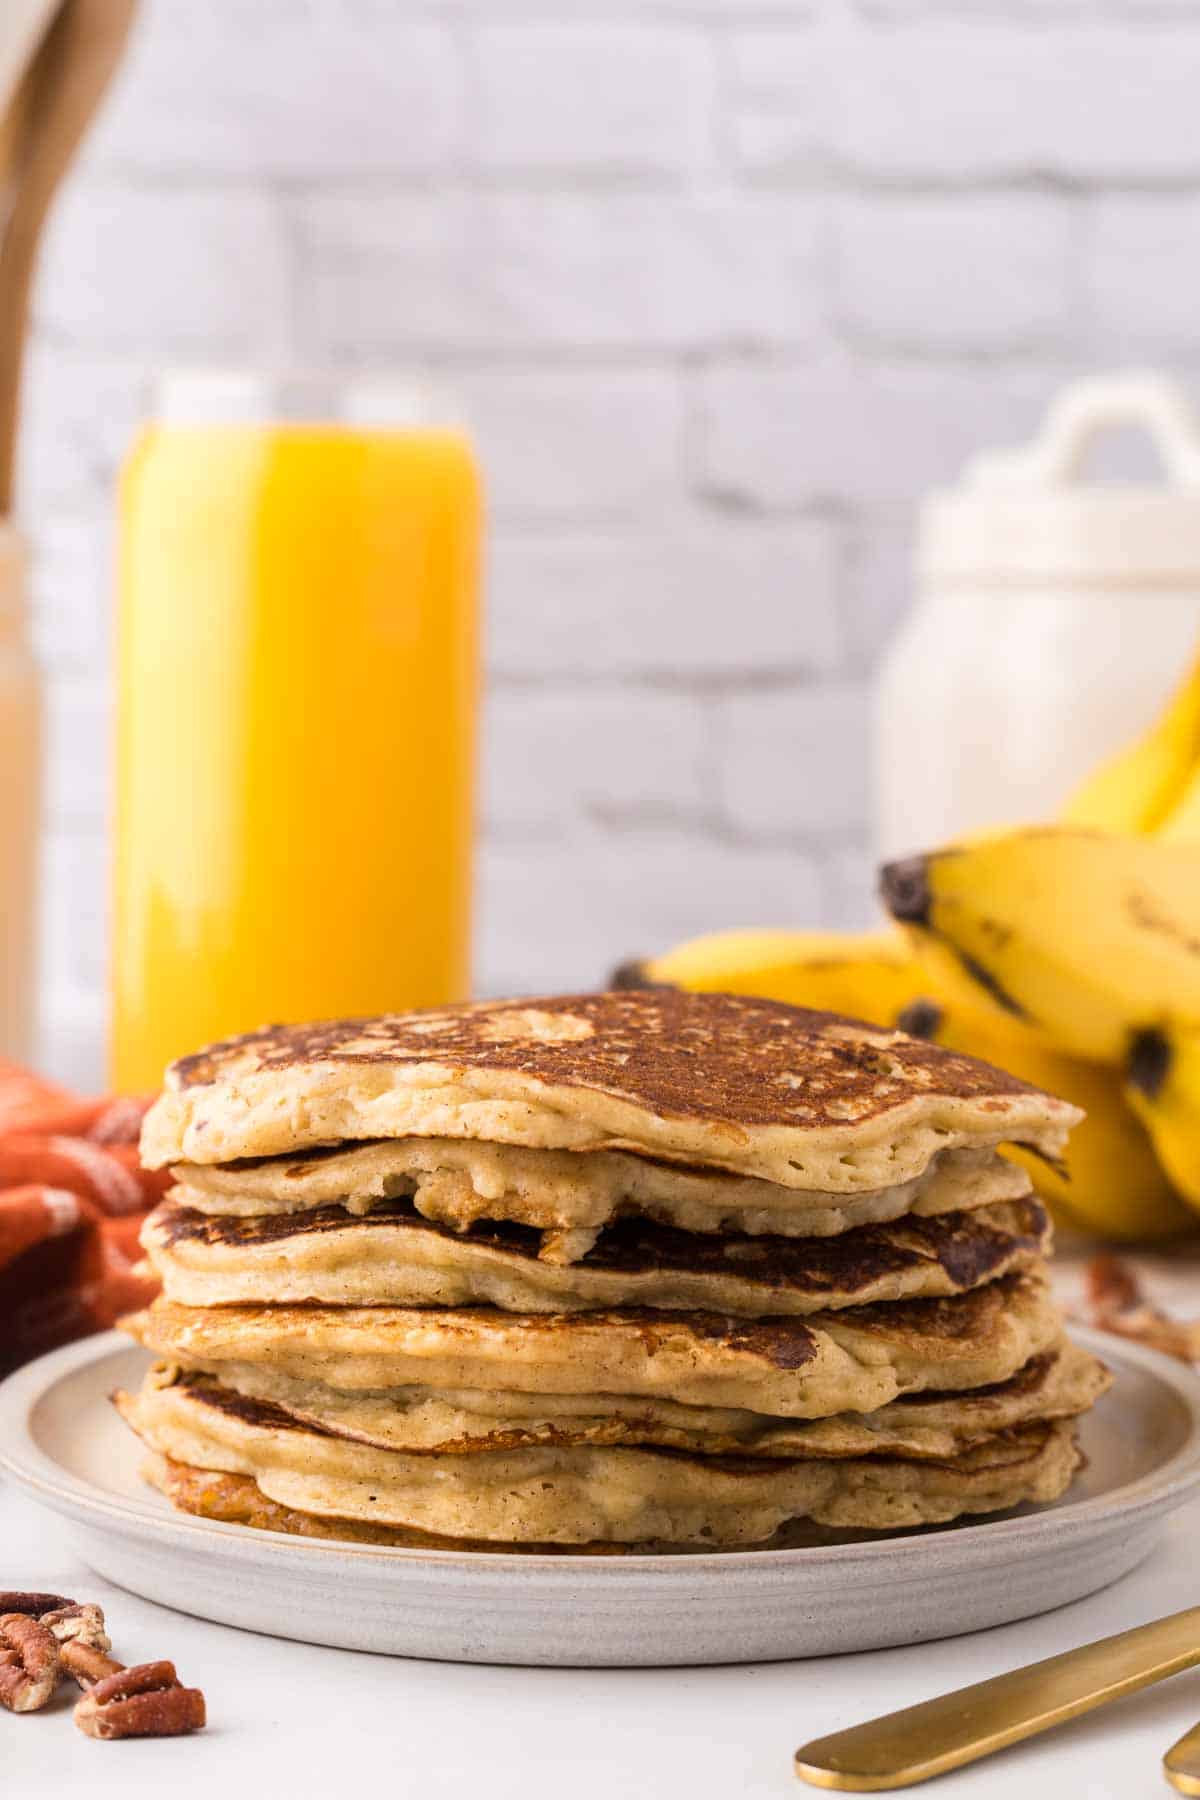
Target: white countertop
{"type": "Point", "coordinates": [294, 1720]}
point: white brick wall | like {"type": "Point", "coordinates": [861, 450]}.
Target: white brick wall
{"type": "Point", "coordinates": [724, 286]}
{"type": "Point", "coordinates": [170, 270]}
{"type": "Point", "coordinates": [696, 601]}
{"type": "Point", "coordinates": [565, 445]}
{"type": "Point", "coordinates": [793, 766]}
{"type": "Point", "coordinates": [611, 758]}
{"type": "Point", "coordinates": [849, 429]}
{"type": "Point", "coordinates": [592, 269]}
{"type": "Point", "coordinates": [957, 100]}
{"type": "Point", "coordinates": [954, 273]}
{"type": "Point", "coordinates": [1137, 259]}
{"type": "Point", "coordinates": [299, 89]}
{"type": "Point", "coordinates": [590, 99]}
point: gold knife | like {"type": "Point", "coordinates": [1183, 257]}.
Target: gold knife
{"type": "Point", "coordinates": [1181, 1764]}
{"type": "Point", "coordinates": [937, 1735]}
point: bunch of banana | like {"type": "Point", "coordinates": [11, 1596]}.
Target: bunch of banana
{"type": "Point", "coordinates": [1112, 1181]}
{"type": "Point", "coordinates": [1069, 954]}
{"type": "Point", "coordinates": [1089, 942]}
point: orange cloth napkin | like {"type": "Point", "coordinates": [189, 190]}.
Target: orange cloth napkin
{"type": "Point", "coordinates": [72, 1199]}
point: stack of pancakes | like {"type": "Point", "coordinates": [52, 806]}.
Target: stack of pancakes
{"type": "Point", "coordinates": [640, 1268]}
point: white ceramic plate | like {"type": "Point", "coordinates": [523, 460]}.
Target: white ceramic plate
{"type": "Point", "coordinates": [65, 1446]}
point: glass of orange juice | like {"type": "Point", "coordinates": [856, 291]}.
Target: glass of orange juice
{"type": "Point", "coordinates": [296, 703]}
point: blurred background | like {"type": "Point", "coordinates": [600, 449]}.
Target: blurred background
{"type": "Point", "coordinates": [724, 288]}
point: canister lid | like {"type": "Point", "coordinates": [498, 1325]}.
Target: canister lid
{"type": "Point", "coordinates": [1022, 515]}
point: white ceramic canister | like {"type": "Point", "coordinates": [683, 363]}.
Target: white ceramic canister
{"type": "Point", "coordinates": [20, 797]}
{"type": "Point", "coordinates": [1053, 620]}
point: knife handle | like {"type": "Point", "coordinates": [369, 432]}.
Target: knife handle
{"type": "Point", "coordinates": [910, 1746]}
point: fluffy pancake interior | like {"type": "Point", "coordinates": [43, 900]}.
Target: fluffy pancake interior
{"type": "Point", "coordinates": [394, 1257]}
{"type": "Point", "coordinates": [572, 1195]}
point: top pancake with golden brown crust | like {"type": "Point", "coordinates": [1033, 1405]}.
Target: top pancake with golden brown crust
{"type": "Point", "coordinates": [801, 1098]}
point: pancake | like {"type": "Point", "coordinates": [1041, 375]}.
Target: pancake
{"type": "Point", "coordinates": [807, 1100]}
{"type": "Point", "coordinates": [587, 1495]}
{"type": "Point", "coordinates": [1059, 1384]}
{"type": "Point", "coordinates": [830, 1362]}
{"type": "Point", "coordinates": [238, 1500]}
{"type": "Point", "coordinates": [393, 1257]}
{"type": "Point", "coordinates": [573, 1194]}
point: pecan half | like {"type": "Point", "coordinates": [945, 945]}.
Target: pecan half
{"type": "Point", "coordinates": [33, 1604]}
{"type": "Point", "coordinates": [1112, 1286]}
{"type": "Point", "coordinates": [28, 1663]}
{"type": "Point", "coordinates": [147, 1701]}
{"type": "Point", "coordinates": [1116, 1302]}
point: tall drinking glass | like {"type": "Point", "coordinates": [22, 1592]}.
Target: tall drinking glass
{"type": "Point", "coordinates": [296, 695]}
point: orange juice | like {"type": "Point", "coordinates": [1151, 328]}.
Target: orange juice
{"type": "Point", "coordinates": [296, 723]}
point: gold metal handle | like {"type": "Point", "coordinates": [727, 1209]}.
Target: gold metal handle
{"type": "Point", "coordinates": [1181, 1764]}
{"type": "Point", "coordinates": [938, 1735]}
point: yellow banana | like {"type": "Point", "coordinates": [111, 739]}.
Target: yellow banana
{"type": "Point", "coordinates": [1163, 1087]}
{"type": "Point", "coordinates": [1136, 790]}
{"type": "Point", "coordinates": [1182, 823]}
{"type": "Point", "coordinates": [870, 975]}
{"type": "Point", "coordinates": [1088, 939]}
{"type": "Point", "coordinates": [1111, 1181]}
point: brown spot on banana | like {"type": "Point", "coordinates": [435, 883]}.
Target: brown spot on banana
{"type": "Point", "coordinates": [921, 1019]}
{"type": "Point", "coordinates": [988, 982]}
{"type": "Point", "coordinates": [1149, 1062]}
{"type": "Point", "coordinates": [906, 891]}
{"type": "Point", "coordinates": [1145, 914]}
{"type": "Point", "coordinates": [632, 974]}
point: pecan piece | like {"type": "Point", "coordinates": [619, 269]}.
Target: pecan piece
{"type": "Point", "coordinates": [1112, 1286]}
{"type": "Point", "coordinates": [1117, 1303]}
{"type": "Point", "coordinates": [28, 1663]}
{"type": "Point", "coordinates": [146, 1701]}
{"type": "Point", "coordinates": [86, 1664]}
{"type": "Point", "coordinates": [33, 1604]}
{"type": "Point", "coordinates": [74, 1623]}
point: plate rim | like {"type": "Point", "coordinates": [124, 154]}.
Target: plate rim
{"type": "Point", "coordinates": [45, 1481]}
